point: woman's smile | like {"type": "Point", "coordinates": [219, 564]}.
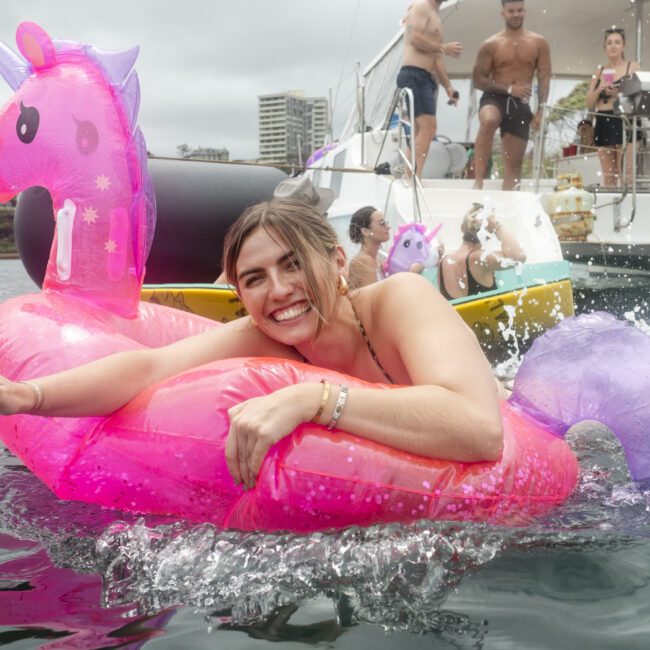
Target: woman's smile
{"type": "Point", "coordinates": [291, 313]}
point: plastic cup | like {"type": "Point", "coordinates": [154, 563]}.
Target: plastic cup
{"type": "Point", "coordinates": [608, 77]}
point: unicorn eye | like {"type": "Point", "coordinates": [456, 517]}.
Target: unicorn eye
{"type": "Point", "coordinates": [420, 244]}
{"type": "Point", "coordinates": [407, 243]}
{"type": "Point", "coordinates": [27, 124]}
{"type": "Point", "coordinates": [87, 137]}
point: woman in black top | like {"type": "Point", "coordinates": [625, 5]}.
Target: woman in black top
{"type": "Point", "coordinates": [469, 269]}
{"type": "Point", "coordinates": [602, 93]}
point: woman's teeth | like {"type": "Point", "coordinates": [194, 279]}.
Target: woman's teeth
{"type": "Point", "coordinates": [290, 313]}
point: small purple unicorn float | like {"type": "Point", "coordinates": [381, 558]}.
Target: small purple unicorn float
{"type": "Point", "coordinates": [412, 245]}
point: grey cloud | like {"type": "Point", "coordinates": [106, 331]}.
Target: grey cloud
{"type": "Point", "coordinates": [202, 63]}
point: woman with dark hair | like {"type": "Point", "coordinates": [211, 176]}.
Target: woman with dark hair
{"type": "Point", "coordinates": [469, 270]}
{"type": "Point", "coordinates": [289, 270]}
{"type": "Point", "coordinates": [369, 228]}
{"type": "Point", "coordinates": [609, 134]}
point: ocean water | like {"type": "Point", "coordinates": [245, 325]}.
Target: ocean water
{"type": "Point", "coordinates": [77, 576]}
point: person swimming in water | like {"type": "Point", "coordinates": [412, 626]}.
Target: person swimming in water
{"type": "Point", "coordinates": [289, 270]}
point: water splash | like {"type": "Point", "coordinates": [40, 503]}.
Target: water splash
{"type": "Point", "coordinates": [398, 577]}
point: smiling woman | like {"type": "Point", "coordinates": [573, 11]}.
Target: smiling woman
{"type": "Point", "coordinates": [288, 268]}
{"type": "Point", "coordinates": [185, 425]}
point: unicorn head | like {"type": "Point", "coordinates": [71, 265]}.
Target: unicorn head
{"type": "Point", "coordinates": [411, 245]}
{"type": "Point", "coordinates": [70, 127]}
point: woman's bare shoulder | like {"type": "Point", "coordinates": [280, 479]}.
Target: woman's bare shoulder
{"type": "Point", "coordinates": [402, 293]}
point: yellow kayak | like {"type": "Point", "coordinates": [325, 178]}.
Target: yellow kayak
{"type": "Point", "coordinates": [524, 305]}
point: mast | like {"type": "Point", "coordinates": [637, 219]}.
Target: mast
{"type": "Point", "coordinates": [639, 31]}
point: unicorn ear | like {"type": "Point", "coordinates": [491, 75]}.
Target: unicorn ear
{"type": "Point", "coordinates": [117, 64]}
{"type": "Point", "coordinates": [132, 98]}
{"type": "Point", "coordinates": [35, 45]}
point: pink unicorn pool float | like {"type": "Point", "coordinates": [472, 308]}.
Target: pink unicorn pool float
{"type": "Point", "coordinates": [70, 127]}
{"type": "Point", "coordinates": [412, 244]}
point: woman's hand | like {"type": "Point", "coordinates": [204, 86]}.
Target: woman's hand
{"type": "Point", "coordinates": [258, 423]}
{"type": "Point", "coordinates": [492, 223]}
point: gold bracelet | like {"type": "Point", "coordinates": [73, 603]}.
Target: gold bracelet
{"type": "Point", "coordinates": [323, 401]}
{"type": "Point", "coordinates": [38, 395]}
{"type": "Point", "coordinates": [338, 409]}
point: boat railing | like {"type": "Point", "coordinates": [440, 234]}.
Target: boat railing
{"type": "Point", "coordinates": [558, 152]}
{"type": "Point", "coordinates": [406, 149]}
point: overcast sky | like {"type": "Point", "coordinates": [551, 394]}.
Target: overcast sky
{"type": "Point", "coordinates": [202, 63]}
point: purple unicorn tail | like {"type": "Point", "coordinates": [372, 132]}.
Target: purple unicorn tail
{"type": "Point", "coordinates": [592, 367]}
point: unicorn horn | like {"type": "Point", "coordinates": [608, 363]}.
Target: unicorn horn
{"type": "Point", "coordinates": [12, 67]}
{"type": "Point", "coordinates": [433, 233]}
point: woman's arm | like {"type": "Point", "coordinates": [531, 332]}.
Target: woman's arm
{"type": "Point", "coordinates": [510, 247]}
{"type": "Point", "coordinates": [104, 385]}
{"type": "Point", "coordinates": [451, 411]}
{"type": "Point", "coordinates": [491, 261]}
{"type": "Point", "coordinates": [594, 90]}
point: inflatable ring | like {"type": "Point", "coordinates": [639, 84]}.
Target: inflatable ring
{"type": "Point", "coordinates": [164, 451]}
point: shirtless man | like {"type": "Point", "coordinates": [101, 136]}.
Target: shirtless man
{"type": "Point", "coordinates": [423, 69]}
{"type": "Point", "coordinates": [504, 71]}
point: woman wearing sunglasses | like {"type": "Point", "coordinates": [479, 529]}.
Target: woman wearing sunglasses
{"type": "Point", "coordinates": [609, 134]}
{"type": "Point", "coordinates": [369, 228]}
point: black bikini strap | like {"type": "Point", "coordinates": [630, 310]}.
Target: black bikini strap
{"type": "Point", "coordinates": [367, 340]}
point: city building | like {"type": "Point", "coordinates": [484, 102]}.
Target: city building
{"type": "Point", "coordinates": [291, 126]}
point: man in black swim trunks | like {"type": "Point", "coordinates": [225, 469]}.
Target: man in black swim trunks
{"type": "Point", "coordinates": [423, 68]}
{"type": "Point", "coordinates": [504, 71]}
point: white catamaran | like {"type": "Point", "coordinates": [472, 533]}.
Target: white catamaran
{"type": "Point", "coordinates": [370, 164]}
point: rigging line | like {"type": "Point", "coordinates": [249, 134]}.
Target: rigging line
{"type": "Point", "coordinates": [347, 53]}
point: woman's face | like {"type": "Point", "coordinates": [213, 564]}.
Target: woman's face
{"type": "Point", "coordinates": [272, 287]}
{"type": "Point", "coordinates": [379, 230]}
{"type": "Point", "coordinates": [614, 45]}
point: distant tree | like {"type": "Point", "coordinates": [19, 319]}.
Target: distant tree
{"type": "Point", "coordinates": [575, 101]}
{"type": "Point", "coordinates": [184, 150]}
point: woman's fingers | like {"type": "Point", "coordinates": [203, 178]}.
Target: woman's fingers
{"type": "Point", "coordinates": [257, 456]}
{"type": "Point", "coordinates": [232, 450]}
{"type": "Point", "coordinates": [242, 454]}
{"type": "Point", "coordinates": [232, 460]}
